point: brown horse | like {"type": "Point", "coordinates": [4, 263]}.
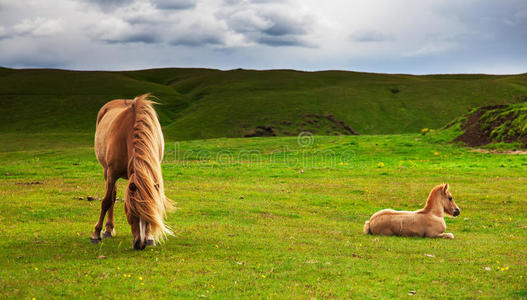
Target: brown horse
{"type": "Point", "coordinates": [426, 222]}
{"type": "Point", "coordinates": [129, 144]}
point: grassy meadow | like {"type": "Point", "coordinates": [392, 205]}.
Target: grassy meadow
{"type": "Point", "coordinates": [273, 217]}
{"type": "Point", "coordinates": [265, 218]}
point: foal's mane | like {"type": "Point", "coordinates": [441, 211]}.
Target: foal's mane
{"type": "Point", "coordinates": [145, 196]}
{"type": "Point", "coordinates": [432, 196]}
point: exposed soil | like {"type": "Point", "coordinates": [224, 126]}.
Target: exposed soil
{"type": "Point", "coordinates": [29, 183]}
{"type": "Point", "coordinates": [477, 132]}
{"type": "Point", "coordinates": [261, 131]}
{"type": "Point", "coordinates": [341, 125]}
{"type": "Point", "coordinates": [314, 123]}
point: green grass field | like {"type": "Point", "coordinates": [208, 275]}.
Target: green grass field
{"type": "Point", "coordinates": [264, 218]}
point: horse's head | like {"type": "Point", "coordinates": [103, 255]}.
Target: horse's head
{"type": "Point", "coordinates": [447, 201]}
{"type": "Point", "coordinates": [138, 226]}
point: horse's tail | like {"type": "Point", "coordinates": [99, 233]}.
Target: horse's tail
{"type": "Point", "coordinates": [367, 227]}
{"type": "Point", "coordinates": [145, 196]}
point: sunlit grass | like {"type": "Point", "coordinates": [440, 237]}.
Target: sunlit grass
{"type": "Point", "coordinates": [268, 218]}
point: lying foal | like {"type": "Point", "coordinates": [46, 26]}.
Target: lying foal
{"type": "Point", "coordinates": [426, 222]}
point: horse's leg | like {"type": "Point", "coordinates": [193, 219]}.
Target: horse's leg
{"type": "Point", "coordinates": [149, 237]}
{"type": "Point", "coordinates": [105, 205]}
{"type": "Point", "coordinates": [446, 235]}
{"type": "Point", "coordinates": [110, 231]}
{"type": "Point", "coordinates": [442, 235]}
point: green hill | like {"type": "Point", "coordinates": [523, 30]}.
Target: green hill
{"type": "Point", "coordinates": [206, 103]}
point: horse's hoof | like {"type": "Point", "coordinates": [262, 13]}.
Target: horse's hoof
{"type": "Point", "coordinates": [108, 235]}
{"type": "Point", "coordinates": [138, 246]}
{"type": "Point", "coordinates": [95, 241]}
{"type": "Point", "coordinates": [150, 242]}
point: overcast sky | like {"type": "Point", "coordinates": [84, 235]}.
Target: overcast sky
{"type": "Point", "coordinates": [403, 36]}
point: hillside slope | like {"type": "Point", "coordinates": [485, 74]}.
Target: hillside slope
{"type": "Point", "coordinates": [494, 125]}
{"type": "Point", "coordinates": [206, 103]}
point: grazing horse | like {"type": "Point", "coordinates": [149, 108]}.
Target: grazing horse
{"type": "Point", "coordinates": [129, 144]}
{"type": "Point", "coordinates": [426, 222]}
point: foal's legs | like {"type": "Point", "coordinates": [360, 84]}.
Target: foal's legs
{"type": "Point", "coordinates": [442, 235]}
{"type": "Point", "coordinates": [446, 235]}
{"type": "Point", "coordinates": [110, 232]}
{"type": "Point", "coordinates": [105, 205]}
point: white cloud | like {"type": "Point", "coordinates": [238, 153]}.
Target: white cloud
{"type": "Point", "coordinates": [115, 30]}
{"type": "Point", "coordinates": [369, 35]}
{"type": "Point", "coordinates": [38, 27]}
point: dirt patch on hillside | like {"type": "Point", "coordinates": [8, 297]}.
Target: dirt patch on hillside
{"type": "Point", "coordinates": [314, 123]}
{"type": "Point", "coordinates": [261, 131]}
{"type": "Point", "coordinates": [479, 128]}
{"type": "Point", "coordinates": [337, 125]}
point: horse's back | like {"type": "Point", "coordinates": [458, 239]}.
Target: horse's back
{"type": "Point", "coordinates": [114, 122]}
{"type": "Point", "coordinates": [393, 222]}
{"type": "Point", "coordinates": [112, 107]}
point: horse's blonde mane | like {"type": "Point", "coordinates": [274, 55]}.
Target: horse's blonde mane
{"type": "Point", "coordinates": [145, 195]}
{"type": "Point", "coordinates": [431, 197]}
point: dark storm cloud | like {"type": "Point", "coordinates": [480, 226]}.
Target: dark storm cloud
{"type": "Point", "coordinates": [134, 37]}
{"type": "Point", "coordinates": [196, 39]}
{"type": "Point", "coordinates": [278, 41]}
{"type": "Point", "coordinates": [108, 4]}
{"type": "Point", "coordinates": [268, 27]}
{"type": "Point", "coordinates": [283, 25]}
{"type": "Point", "coordinates": [174, 4]}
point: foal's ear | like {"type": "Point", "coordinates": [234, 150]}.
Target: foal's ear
{"type": "Point", "coordinates": [445, 188]}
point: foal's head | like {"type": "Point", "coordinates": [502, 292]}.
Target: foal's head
{"type": "Point", "coordinates": [445, 197]}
